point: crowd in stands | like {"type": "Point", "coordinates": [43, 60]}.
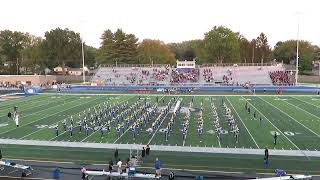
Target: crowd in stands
{"type": "Point", "coordinates": [207, 75]}
{"type": "Point", "coordinates": [132, 77]}
{"type": "Point", "coordinates": [228, 77]}
{"type": "Point", "coordinates": [211, 75]}
{"type": "Point", "coordinates": [160, 74]}
{"type": "Point", "coordinates": [184, 76]}
{"type": "Point", "coordinates": [281, 77]}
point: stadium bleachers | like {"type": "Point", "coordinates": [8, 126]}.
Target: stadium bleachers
{"type": "Point", "coordinates": [132, 75]}
{"type": "Point", "coordinates": [228, 75]}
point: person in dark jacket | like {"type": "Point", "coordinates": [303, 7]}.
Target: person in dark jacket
{"type": "Point", "coordinates": [116, 154]}
{"type": "Point", "coordinates": [110, 166]}
{"type": "Point", "coordinates": [143, 153]}
{"type": "Point", "coordinates": [148, 150]}
{"type": "Point", "coordinates": [266, 157]}
{"type": "Point", "coordinates": [275, 138]}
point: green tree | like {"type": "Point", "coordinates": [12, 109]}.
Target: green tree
{"type": "Point", "coordinates": [62, 47]}
{"type": "Point", "coordinates": [222, 45]}
{"type": "Point", "coordinates": [196, 46]}
{"type": "Point", "coordinates": [106, 51]}
{"type": "Point", "coordinates": [245, 49]}
{"type": "Point", "coordinates": [32, 55]}
{"type": "Point", "coordinates": [263, 49]}
{"type": "Point", "coordinates": [155, 51]}
{"type": "Point", "coordinates": [11, 45]}
{"type": "Point", "coordinates": [286, 52]}
{"type": "Point", "coordinates": [118, 46]}
{"type": "Point", "coordinates": [90, 56]}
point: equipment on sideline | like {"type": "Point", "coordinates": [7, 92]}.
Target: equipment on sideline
{"type": "Point", "coordinates": [289, 177]}
{"type": "Point", "coordinates": [26, 170]}
{"type": "Point", "coordinates": [117, 174]}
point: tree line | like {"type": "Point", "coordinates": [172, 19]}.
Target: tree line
{"type": "Point", "coordinates": [62, 47]}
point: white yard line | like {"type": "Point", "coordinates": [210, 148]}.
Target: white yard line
{"type": "Point", "coordinates": [243, 124]}
{"type": "Point", "coordinates": [219, 122]}
{"type": "Point", "coordinates": [303, 110]}
{"type": "Point", "coordinates": [306, 102]}
{"type": "Point", "coordinates": [184, 141]}
{"type": "Point", "coordinates": [290, 117]}
{"type": "Point", "coordinates": [33, 112]}
{"type": "Point", "coordinates": [275, 126]}
{"type": "Point", "coordinates": [123, 133]}
{"type": "Point", "coordinates": [157, 128]}
{"type": "Point", "coordinates": [59, 135]}
{"type": "Point", "coordinates": [43, 117]}
{"type": "Point", "coordinates": [102, 127]}
{"type": "Point", "coordinates": [22, 101]}
{"type": "Point", "coordinates": [53, 124]}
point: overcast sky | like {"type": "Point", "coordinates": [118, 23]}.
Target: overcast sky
{"type": "Point", "coordinates": [167, 20]}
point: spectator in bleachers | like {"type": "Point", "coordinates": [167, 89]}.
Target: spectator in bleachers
{"type": "Point", "coordinates": [207, 75]}
{"type": "Point", "coordinates": [184, 77]}
{"type": "Point", "coordinates": [281, 77]}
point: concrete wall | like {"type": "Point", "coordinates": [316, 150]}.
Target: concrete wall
{"type": "Point", "coordinates": [32, 79]}
{"type": "Point", "coordinates": [311, 79]}
{"type": "Point", "coordinates": [70, 78]}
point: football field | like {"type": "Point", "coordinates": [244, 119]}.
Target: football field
{"type": "Point", "coordinates": [295, 120]}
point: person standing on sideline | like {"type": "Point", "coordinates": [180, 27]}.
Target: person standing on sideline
{"type": "Point", "coordinates": [157, 166]}
{"type": "Point", "coordinates": [83, 171]}
{"type": "Point", "coordinates": [275, 138]}
{"type": "Point", "coordinates": [119, 164]}
{"type": "Point", "coordinates": [116, 154]}
{"type": "Point", "coordinates": [143, 154]}
{"type": "Point", "coordinates": [266, 157]}
{"type": "Point", "coordinates": [148, 150]}
{"type": "Point", "coordinates": [0, 155]}
{"type": "Point", "coordinates": [110, 166]}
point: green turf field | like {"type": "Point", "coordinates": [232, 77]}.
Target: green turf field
{"type": "Point", "coordinates": [294, 118]}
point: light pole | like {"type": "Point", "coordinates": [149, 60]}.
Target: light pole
{"type": "Point", "coordinates": [297, 63]}
{"type": "Point", "coordinates": [82, 21]}
{"type": "Point", "coordinates": [83, 71]}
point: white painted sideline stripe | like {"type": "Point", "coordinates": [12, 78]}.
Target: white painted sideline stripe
{"type": "Point", "coordinates": [162, 148]}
